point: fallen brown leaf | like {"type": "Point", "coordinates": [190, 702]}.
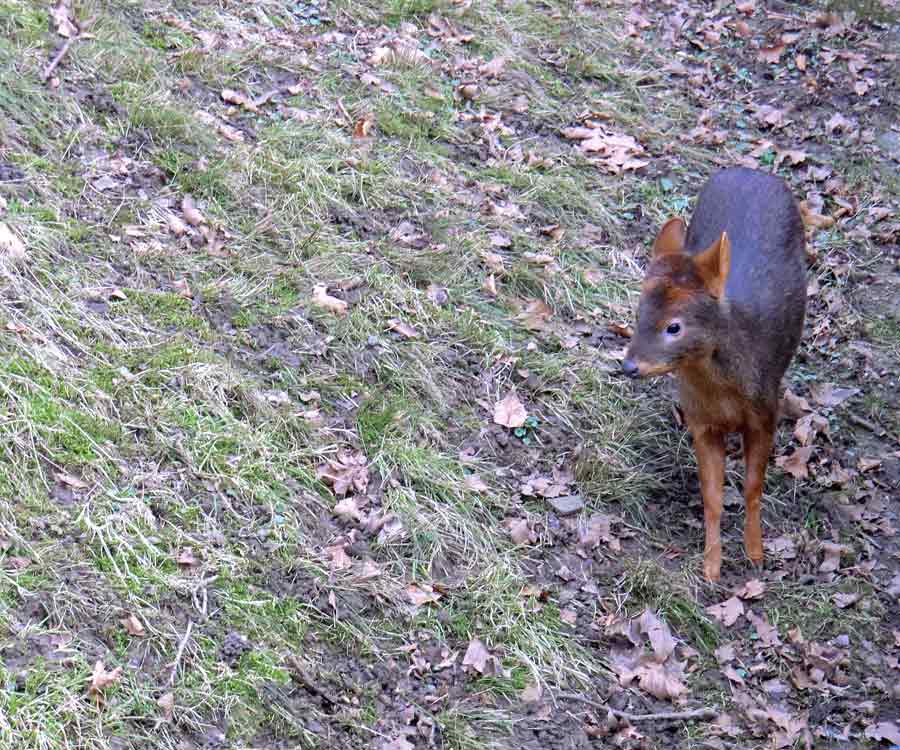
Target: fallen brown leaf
{"type": "Point", "coordinates": [752, 589]}
{"type": "Point", "coordinates": [321, 298]}
{"type": "Point", "coordinates": [477, 656]}
{"type": "Point", "coordinates": [772, 53]}
{"type": "Point", "coordinates": [133, 626]}
{"type": "Point", "coordinates": [10, 244]}
{"type": "Point", "coordinates": [832, 556]}
{"type": "Point", "coordinates": [886, 731]}
{"type": "Point", "coordinates": [62, 19]}
{"type": "Point", "coordinates": [727, 612]}
{"type": "Point", "coordinates": [346, 472]}
{"type": "Point", "coordinates": [348, 509]}
{"type": "Point", "coordinates": [661, 640]}
{"type": "Point", "coordinates": [519, 530]}
{"type": "Point", "coordinates": [102, 679]}
{"type": "Point", "coordinates": [808, 427]}
{"type": "Point", "coordinates": [404, 329]}
{"type": "Point", "coordinates": [363, 126]}
{"type": "Point", "coordinates": [796, 463]}
{"type": "Point", "coordinates": [191, 213]}
{"type": "Point", "coordinates": [509, 411]}
{"type": "Point", "coordinates": [167, 703]}
{"type": "Point", "coordinates": [828, 394]}
{"type": "Point", "coordinates": [338, 559]}
{"type": "Point", "coordinates": [475, 483]}
{"type": "Point", "coordinates": [421, 594]}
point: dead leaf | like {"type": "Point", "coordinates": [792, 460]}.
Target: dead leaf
{"type": "Point", "coordinates": [398, 743]}
{"type": "Point", "coordinates": [832, 556]}
{"type": "Point", "coordinates": [404, 329]}
{"type": "Point", "coordinates": [475, 483]}
{"type": "Point", "coordinates": [186, 557]}
{"type": "Point", "coordinates": [191, 213]}
{"type": "Point", "coordinates": [553, 231]}
{"type": "Point", "coordinates": [620, 329]}
{"type": "Point", "coordinates": [74, 482]}
{"type": "Point", "coordinates": [183, 288]}
{"type": "Point", "coordinates": [421, 594]}
{"type": "Point", "coordinates": [661, 640]}
{"type": "Point", "coordinates": [598, 529]}
{"type": "Point", "coordinates": [752, 589]}
{"type": "Point", "coordinates": [747, 8]}
{"type": "Point", "coordinates": [838, 123]}
{"type": "Point", "coordinates": [796, 463]}
{"type": "Point", "coordinates": [655, 679]}
{"type": "Point", "coordinates": [10, 244]}
{"type": "Point", "coordinates": [813, 220]}
{"type": "Point", "coordinates": [61, 17]}
{"type": "Point", "coordinates": [727, 612]}
{"type": "Point", "coordinates": [477, 656]}
{"type": "Point", "coordinates": [493, 68]}
{"type": "Point", "coordinates": [338, 559]}
{"type": "Point", "coordinates": [348, 509]}
{"type": "Point", "coordinates": [347, 472]}
{"type": "Point", "coordinates": [768, 634]}
{"type": "Point", "coordinates": [772, 53]}
{"type": "Point", "coordinates": [242, 100]}
{"type": "Point", "coordinates": [363, 126]}
{"type": "Point", "coordinates": [134, 626]}
{"type": "Point", "coordinates": [808, 427]}
{"type": "Point", "coordinates": [617, 152]}
{"type": "Point", "coordinates": [800, 61]}
{"type": "Point", "coordinates": [321, 298]}
{"type": "Point", "coordinates": [167, 703]}
{"type": "Point", "coordinates": [438, 295]}
{"type": "Point", "coordinates": [828, 394]}
{"type": "Point", "coordinates": [794, 406]}
{"type": "Point", "coordinates": [844, 600]}
{"type": "Point", "coordinates": [887, 731]}
{"type": "Point", "coordinates": [519, 530]}
{"type": "Point", "coordinates": [536, 315]}
{"type": "Point", "coordinates": [509, 412]}
{"type": "Point", "coordinates": [532, 693]}
{"type": "Point", "coordinates": [101, 679]}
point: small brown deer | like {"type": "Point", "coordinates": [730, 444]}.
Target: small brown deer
{"type": "Point", "coordinates": [722, 307]}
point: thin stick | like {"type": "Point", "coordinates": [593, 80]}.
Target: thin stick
{"type": "Point", "coordinates": [178, 655]}
{"type": "Point", "coordinates": [697, 713]}
{"type": "Point", "coordinates": [48, 71]}
{"type": "Point", "coordinates": [63, 51]}
{"type": "Point", "coordinates": [871, 426]}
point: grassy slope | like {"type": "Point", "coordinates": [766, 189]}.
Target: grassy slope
{"type": "Point", "coordinates": [182, 416]}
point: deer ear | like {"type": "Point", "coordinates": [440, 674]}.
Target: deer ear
{"type": "Point", "coordinates": [714, 263]}
{"type": "Point", "coordinates": [670, 238]}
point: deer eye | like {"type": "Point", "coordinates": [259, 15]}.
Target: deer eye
{"type": "Point", "coordinates": [674, 329]}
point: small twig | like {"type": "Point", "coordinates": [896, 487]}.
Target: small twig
{"type": "Point", "coordinates": [697, 713]}
{"type": "Point", "coordinates": [63, 51]}
{"type": "Point", "coordinates": [871, 426]}
{"type": "Point", "coordinates": [180, 652]}
{"type": "Point", "coordinates": [343, 110]}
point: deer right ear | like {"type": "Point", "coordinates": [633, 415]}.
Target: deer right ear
{"type": "Point", "coordinates": [670, 238]}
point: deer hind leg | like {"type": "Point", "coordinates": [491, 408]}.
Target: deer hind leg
{"type": "Point", "coordinates": [709, 446]}
{"type": "Point", "coordinates": [757, 448]}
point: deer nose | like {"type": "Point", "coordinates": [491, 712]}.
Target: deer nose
{"type": "Point", "coordinates": [630, 368]}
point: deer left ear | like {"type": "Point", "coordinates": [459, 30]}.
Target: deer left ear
{"type": "Point", "coordinates": [714, 263]}
{"type": "Point", "coordinates": [670, 238]}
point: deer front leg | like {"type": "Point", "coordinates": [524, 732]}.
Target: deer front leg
{"type": "Point", "coordinates": [709, 446]}
{"type": "Point", "coordinates": [757, 448]}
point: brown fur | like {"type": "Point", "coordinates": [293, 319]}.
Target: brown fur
{"type": "Point", "coordinates": [722, 306]}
